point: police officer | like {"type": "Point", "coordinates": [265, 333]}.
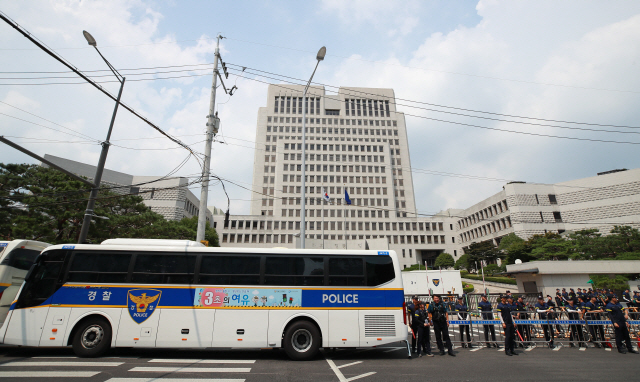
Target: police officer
{"type": "Point", "coordinates": [565, 296]}
{"type": "Point", "coordinates": [439, 319]}
{"type": "Point", "coordinates": [544, 311]}
{"type": "Point", "coordinates": [411, 310]}
{"type": "Point", "coordinates": [487, 314]}
{"type": "Point", "coordinates": [462, 309]}
{"type": "Point", "coordinates": [574, 314]}
{"type": "Point", "coordinates": [552, 315]}
{"type": "Point", "coordinates": [591, 312]}
{"type": "Point", "coordinates": [620, 325]}
{"type": "Point", "coordinates": [626, 298]}
{"type": "Point", "coordinates": [422, 326]}
{"type": "Point", "coordinates": [504, 313]}
{"type": "Point", "coordinates": [521, 308]}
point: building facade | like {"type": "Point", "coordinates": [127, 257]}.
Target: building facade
{"type": "Point", "coordinates": [603, 201]}
{"type": "Point", "coordinates": [168, 197]}
{"type": "Point", "coordinates": [355, 141]}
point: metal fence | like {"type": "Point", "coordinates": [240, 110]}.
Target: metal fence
{"type": "Point", "coordinates": [484, 329]}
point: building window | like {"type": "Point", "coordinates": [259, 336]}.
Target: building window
{"type": "Point", "coordinates": [558, 217]}
{"type": "Point", "coordinates": [552, 199]}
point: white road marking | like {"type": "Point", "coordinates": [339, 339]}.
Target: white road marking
{"type": "Point", "coordinates": [61, 356]}
{"type": "Point", "coordinates": [360, 376]}
{"type": "Point", "coordinates": [341, 376]}
{"type": "Point", "coordinates": [476, 349]}
{"type": "Point", "coordinates": [349, 364]}
{"type": "Point", "coordinates": [393, 349]}
{"type": "Point", "coordinates": [203, 360]}
{"type": "Point", "coordinates": [193, 369]}
{"type": "Point", "coordinates": [529, 348]}
{"type": "Point", "coordinates": [41, 364]}
{"type": "Point", "coordinates": [172, 380]}
{"type": "Point", "coordinates": [48, 374]}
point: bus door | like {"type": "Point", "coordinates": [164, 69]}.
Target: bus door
{"type": "Point", "coordinates": [27, 321]}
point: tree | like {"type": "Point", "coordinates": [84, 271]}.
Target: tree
{"type": "Point", "coordinates": [210, 233]}
{"type": "Point", "coordinates": [44, 204]}
{"type": "Point", "coordinates": [483, 251]}
{"type": "Point", "coordinates": [514, 247]}
{"type": "Point", "coordinates": [587, 244]}
{"type": "Point", "coordinates": [444, 260]}
{"type": "Point", "coordinates": [463, 263]}
{"type": "Point", "coordinates": [550, 246]}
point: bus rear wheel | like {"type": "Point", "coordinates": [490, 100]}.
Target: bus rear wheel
{"type": "Point", "coordinates": [92, 337]}
{"type": "Point", "coordinates": [302, 341]}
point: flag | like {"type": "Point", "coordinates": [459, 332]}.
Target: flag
{"type": "Point", "coordinates": [346, 196]}
{"type": "Point", "coordinates": [325, 196]}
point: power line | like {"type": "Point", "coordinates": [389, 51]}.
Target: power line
{"type": "Point", "coordinates": [63, 61]}
{"type": "Point", "coordinates": [478, 126]}
{"type": "Point", "coordinates": [394, 101]}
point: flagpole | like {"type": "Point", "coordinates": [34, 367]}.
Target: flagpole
{"type": "Point", "coordinates": [323, 200]}
{"type": "Point", "coordinates": [345, 217]}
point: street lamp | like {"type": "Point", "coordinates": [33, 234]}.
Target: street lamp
{"type": "Point", "coordinates": [88, 214]}
{"type": "Point", "coordinates": [320, 56]}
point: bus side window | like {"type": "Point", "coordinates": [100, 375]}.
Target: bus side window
{"type": "Point", "coordinates": [346, 271]}
{"type": "Point", "coordinates": [44, 281]}
{"type": "Point", "coordinates": [165, 268]}
{"type": "Point", "coordinates": [287, 270]}
{"type": "Point", "coordinates": [230, 270]}
{"type": "Point", "coordinates": [379, 270]}
{"type": "Point", "coordinates": [101, 267]}
{"type": "Point", "coordinates": [20, 258]}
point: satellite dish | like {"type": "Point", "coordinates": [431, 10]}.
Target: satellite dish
{"type": "Point", "coordinates": [518, 261]}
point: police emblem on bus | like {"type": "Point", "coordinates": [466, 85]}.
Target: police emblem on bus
{"type": "Point", "coordinates": [141, 303]}
{"type": "Point", "coordinates": [436, 282]}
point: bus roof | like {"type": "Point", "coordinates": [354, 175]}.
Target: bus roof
{"type": "Point", "coordinates": [23, 242]}
{"type": "Point", "coordinates": [153, 242]}
{"type": "Point", "coordinates": [181, 245]}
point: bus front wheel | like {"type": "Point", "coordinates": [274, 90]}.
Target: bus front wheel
{"type": "Point", "coordinates": [302, 341]}
{"type": "Point", "coordinates": [92, 337]}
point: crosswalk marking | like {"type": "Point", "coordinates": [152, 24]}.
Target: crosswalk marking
{"type": "Point", "coordinates": [155, 379]}
{"type": "Point", "coordinates": [203, 360]}
{"type": "Point", "coordinates": [193, 369]}
{"type": "Point", "coordinates": [40, 363]}
{"type": "Point", "coordinates": [48, 374]}
{"type": "Point", "coordinates": [349, 364]}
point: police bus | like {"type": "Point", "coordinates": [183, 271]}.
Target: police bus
{"type": "Point", "coordinates": [180, 294]}
{"type": "Point", "coordinates": [16, 257]}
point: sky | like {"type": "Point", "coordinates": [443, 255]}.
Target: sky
{"type": "Point", "coordinates": [464, 72]}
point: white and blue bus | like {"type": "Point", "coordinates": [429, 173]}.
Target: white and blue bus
{"type": "Point", "coordinates": [180, 294]}
{"type": "Point", "coordinates": [16, 258]}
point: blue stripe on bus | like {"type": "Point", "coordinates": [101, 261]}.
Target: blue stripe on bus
{"type": "Point", "coordinates": [188, 297]}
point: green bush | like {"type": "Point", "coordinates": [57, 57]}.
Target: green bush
{"type": "Point", "coordinates": [468, 288]}
{"type": "Point", "coordinates": [503, 280]}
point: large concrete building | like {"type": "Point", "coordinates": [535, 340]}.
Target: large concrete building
{"type": "Point", "coordinates": [603, 201]}
{"type": "Point", "coordinates": [169, 196]}
{"type": "Point", "coordinates": [355, 140]}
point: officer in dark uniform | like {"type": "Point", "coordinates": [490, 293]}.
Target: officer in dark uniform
{"type": "Point", "coordinates": [626, 298]}
{"type": "Point", "coordinates": [553, 315]}
{"type": "Point", "coordinates": [544, 311]}
{"type": "Point", "coordinates": [411, 310]}
{"type": "Point", "coordinates": [462, 309]}
{"type": "Point", "coordinates": [574, 313]}
{"type": "Point", "coordinates": [591, 312]}
{"type": "Point", "coordinates": [487, 314]}
{"type": "Point", "coordinates": [620, 325]}
{"type": "Point", "coordinates": [504, 313]}
{"type": "Point", "coordinates": [565, 295]}
{"type": "Point", "coordinates": [422, 334]}
{"type": "Point", "coordinates": [572, 294]}
{"type": "Point", "coordinates": [439, 319]}
{"type": "Point", "coordinates": [522, 308]}
{"type": "Point", "coordinates": [559, 300]}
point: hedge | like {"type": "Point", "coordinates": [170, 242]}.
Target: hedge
{"type": "Point", "coordinates": [503, 280]}
{"type": "Point", "coordinates": [468, 288]}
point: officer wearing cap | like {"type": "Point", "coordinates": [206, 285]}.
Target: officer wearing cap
{"type": "Point", "coordinates": [521, 308]}
{"type": "Point", "coordinates": [504, 313]}
{"type": "Point", "coordinates": [487, 314]}
{"type": "Point", "coordinates": [626, 298]}
{"type": "Point", "coordinates": [422, 328]}
{"type": "Point", "coordinates": [413, 324]}
{"type": "Point", "coordinates": [620, 325]}
{"type": "Point", "coordinates": [574, 314]}
{"type": "Point", "coordinates": [544, 311]}
{"type": "Point", "coordinates": [439, 319]}
{"type": "Point", "coordinates": [462, 309]}
{"type": "Point", "coordinates": [552, 315]}
{"type": "Point", "coordinates": [591, 312]}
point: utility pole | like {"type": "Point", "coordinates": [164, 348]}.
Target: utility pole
{"type": "Point", "coordinates": [212, 130]}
